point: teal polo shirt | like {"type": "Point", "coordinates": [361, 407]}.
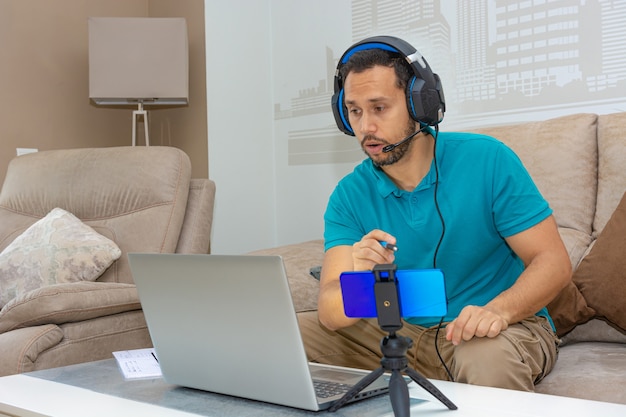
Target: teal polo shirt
{"type": "Point", "coordinates": [484, 194]}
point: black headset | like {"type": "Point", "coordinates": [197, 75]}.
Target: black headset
{"type": "Point", "coordinates": [424, 93]}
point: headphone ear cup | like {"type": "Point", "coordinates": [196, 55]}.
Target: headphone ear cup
{"type": "Point", "coordinates": [414, 98]}
{"type": "Point", "coordinates": [426, 105]}
{"type": "Point", "coordinates": [441, 98]}
{"type": "Point", "coordinates": [341, 113]}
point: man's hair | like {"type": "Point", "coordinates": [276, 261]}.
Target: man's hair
{"type": "Point", "coordinates": [369, 58]}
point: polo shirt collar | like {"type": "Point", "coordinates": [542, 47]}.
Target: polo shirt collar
{"type": "Point", "coordinates": [386, 186]}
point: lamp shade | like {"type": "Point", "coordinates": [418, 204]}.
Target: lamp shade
{"type": "Point", "coordinates": [138, 60]}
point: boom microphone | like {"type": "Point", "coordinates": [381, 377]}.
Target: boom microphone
{"type": "Point", "coordinates": [393, 146]}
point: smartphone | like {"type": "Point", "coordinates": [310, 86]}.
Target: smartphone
{"type": "Point", "coordinates": [421, 293]}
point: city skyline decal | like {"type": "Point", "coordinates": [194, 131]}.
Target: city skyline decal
{"type": "Point", "coordinates": [499, 61]}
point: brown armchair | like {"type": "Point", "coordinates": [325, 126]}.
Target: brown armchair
{"type": "Point", "coordinates": [141, 198]}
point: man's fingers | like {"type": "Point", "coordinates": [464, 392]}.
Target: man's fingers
{"type": "Point", "coordinates": [474, 322]}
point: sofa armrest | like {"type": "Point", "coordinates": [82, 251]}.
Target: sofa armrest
{"type": "Point", "coordinates": [299, 258]}
{"type": "Point", "coordinates": [63, 303]}
{"type": "Point", "coordinates": [21, 348]}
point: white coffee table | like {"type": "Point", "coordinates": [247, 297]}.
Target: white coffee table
{"type": "Point", "coordinates": [98, 389]}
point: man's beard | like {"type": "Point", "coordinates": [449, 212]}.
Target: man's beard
{"type": "Point", "coordinates": [389, 158]}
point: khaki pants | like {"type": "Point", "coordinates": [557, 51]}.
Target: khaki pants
{"type": "Point", "coordinates": [516, 359]}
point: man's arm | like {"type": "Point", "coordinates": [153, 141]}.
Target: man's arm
{"type": "Point", "coordinates": [548, 270]}
{"type": "Point", "coordinates": [362, 256]}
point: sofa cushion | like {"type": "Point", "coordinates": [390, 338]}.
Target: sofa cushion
{"type": "Point", "coordinates": [611, 163]}
{"type": "Point", "coordinates": [593, 371]}
{"type": "Point", "coordinates": [577, 244]}
{"type": "Point", "coordinates": [64, 303]}
{"type": "Point", "coordinates": [56, 249]}
{"type": "Point", "coordinates": [595, 330]}
{"type": "Point", "coordinates": [601, 275]}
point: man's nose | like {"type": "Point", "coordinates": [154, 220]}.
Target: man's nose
{"type": "Point", "coordinates": [366, 124]}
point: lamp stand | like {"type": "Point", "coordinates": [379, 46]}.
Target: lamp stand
{"type": "Point", "coordinates": [136, 113]}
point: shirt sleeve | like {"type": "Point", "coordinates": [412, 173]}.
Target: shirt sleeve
{"type": "Point", "coordinates": [340, 225]}
{"type": "Point", "coordinates": [517, 202]}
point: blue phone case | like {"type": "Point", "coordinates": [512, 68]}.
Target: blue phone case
{"type": "Point", "coordinates": [421, 293]}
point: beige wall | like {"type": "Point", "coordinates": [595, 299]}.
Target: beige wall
{"type": "Point", "coordinates": [186, 127]}
{"type": "Point", "coordinates": [44, 84]}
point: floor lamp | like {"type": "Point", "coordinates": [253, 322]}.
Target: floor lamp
{"type": "Point", "coordinates": [140, 61]}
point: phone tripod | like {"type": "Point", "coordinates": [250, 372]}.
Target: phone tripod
{"type": "Point", "coordinates": [393, 348]}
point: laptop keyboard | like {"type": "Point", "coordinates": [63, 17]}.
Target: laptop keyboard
{"type": "Point", "coordinates": [327, 389]}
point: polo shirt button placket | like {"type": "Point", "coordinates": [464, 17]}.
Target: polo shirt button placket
{"type": "Point", "coordinates": [415, 212]}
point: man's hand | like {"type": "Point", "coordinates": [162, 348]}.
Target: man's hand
{"type": "Point", "coordinates": [475, 321]}
{"type": "Point", "coordinates": [368, 252]}
{"type": "Point", "coordinates": [362, 256]}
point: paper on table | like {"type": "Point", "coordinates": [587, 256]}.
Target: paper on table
{"type": "Point", "coordinates": [138, 363]}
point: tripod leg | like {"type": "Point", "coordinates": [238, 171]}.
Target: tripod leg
{"type": "Point", "coordinates": [428, 386]}
{"type": "Point", "coordinates": [367, 379]}
{"type": "Point", "coordinates": [399, 395]}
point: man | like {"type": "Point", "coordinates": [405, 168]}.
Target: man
{"type": "Point", "coordinates": [459, 202]}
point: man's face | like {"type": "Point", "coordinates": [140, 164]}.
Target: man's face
{"type": "Point", "coordinates": [377, 113]}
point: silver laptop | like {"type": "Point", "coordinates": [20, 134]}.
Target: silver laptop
{"type": "Point", "coordinates": [227, 324]}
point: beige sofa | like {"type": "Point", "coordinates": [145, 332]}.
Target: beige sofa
{"type": "Point", "coordinates": [579, 164]}
{"type": "Point", "coordinates": [142, 198]}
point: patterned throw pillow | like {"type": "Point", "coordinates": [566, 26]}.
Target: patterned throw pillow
{"type": "Point", "coordinates": [57, 249]}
